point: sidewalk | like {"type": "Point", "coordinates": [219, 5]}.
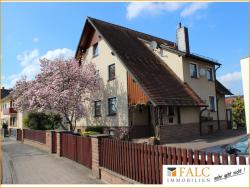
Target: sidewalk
{"type": "Point", "coordinates": [24, 164]}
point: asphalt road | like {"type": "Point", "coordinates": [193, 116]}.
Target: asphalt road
{"type": "Point", "coordinates": [24, 164]}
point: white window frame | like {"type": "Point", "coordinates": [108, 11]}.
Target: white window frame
{"type": "Point", "coordinates": [95, 102]}
{"type": "Point", "coordinates": [212, 73]}
{"type": "Point", "coordinates": [94, 50]}
{"type": "Point", "coordinates": [215, 105]}
{"type": "Point", "coordinates": [113, 114]}
{"type": "Point", "coordinates": [197, 70]}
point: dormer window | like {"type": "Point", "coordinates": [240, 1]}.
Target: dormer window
{"type": "Point", "coordinates": [95, 50]}
{"type": "Point", "coordinates": [193, 70]}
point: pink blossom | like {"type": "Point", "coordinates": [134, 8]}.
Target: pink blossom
{"type": "Point", "coordinates": [62, 86]}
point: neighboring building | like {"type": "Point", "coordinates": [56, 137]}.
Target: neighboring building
{"type": "Point", "coordinates": [245, 81]}
{"type": "Point", "coordinates": [229, 100]}
{"type": "Point", "coordinates": [151, 86]}
{"type": "Point", "coordinates": [8, 113]}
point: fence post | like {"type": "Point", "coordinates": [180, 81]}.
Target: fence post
{"type": "Point", "coordinates": [22, 135]}
{"type": "Point", "coordinates": [49, 141]}
{"type": "Point", "coordinates": [58, 142]}
{"type": "Point", "coordinates": [96, 158]}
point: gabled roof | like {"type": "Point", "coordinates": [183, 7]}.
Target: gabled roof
{"type": "Point", "coordinates": [156, 79]}
{"type": "Point", "coordinates": [222, 89]}
{"type": "Point", "coordinates": [5, 92]}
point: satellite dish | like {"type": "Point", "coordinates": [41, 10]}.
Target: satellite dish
{"type": "Point", "coordinates": [202, 72]}
{"type": "Point", "coordinates": [153, 45]}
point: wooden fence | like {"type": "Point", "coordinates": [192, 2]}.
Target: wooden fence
{"type": "Point", "coordinates": [77, 148]}
{"type": "Point", "coordinates": [143, 163]}
{"type": "Point", "coordinates": [35, 135]}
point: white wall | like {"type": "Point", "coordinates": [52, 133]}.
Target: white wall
{"type": "Point", "coordinates": [245, 81]}
{"type": "Point", "coordinates": [115, 88]}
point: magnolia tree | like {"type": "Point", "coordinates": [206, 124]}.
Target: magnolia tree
{"type": "Point", "coordinates": [62, 86]}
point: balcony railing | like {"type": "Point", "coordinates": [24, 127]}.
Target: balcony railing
{"type": "Point", "coordinates": [8, 111]}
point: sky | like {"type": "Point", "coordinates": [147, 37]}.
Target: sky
{"type": "Point", "coordinates": [31, 31]}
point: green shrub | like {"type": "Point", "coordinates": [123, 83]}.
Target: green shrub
{"type": "Point", "coordinates": [4, 125]}
{"type": "Point", "coordinates": [238, 112]}
{"type": "Point", "coordinates": [98, 129]}
{"type": "Point", "coordinates": [42, 121]}
{"type": "Point", "coordinates": [88, 133]}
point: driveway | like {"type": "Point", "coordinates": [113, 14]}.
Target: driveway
{"type": "Point", "coordinates": [201, 142]}
{"type": "Point", "coordinates": [216, 139]}
{"type": "Point", "coordinates": [24, 164]}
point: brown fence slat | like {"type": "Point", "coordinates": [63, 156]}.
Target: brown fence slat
{"type": "Point", "coordinates": [142, 161]}
{"type": "Point", "coordinates": [152, 164]}
{"type": "Point", "coordinates": [233, 159]}
{"type": "Point", "coordinates": [216, 159]}
{"type": "Point", "coordinates": [184, 156]}
{"type": "Point", "coordinates": [242, 160]}
{"type": "Point", "coordinates": [149, 166]}
{"type": "Point", "coordinates": [165, 157]}
{"type": "Point", "coordinates": [196, 157]}
{"type": "Point", "coordinates": [209, 158]}
{"type": "Point", "coordinates": [145, 156]}
{"type": "Point", "coordinates": [224, 159]}
{"type": "Point", "coordinates": [179, 159]}
{"type": "Point", "coordinates": [203, 157]}
{"type": "Point", "coordinates": [160, 150]}
{"type": "Point", "coordinates": [157, 168]}
{"type": "Point", "coordinates": [174, 161]}
{"type": "Point", "coordinates": [190, 157]}
{"type": "Point", "coordinates": [169, 154]}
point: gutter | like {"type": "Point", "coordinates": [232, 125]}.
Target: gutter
{"type": "Point", "coordinates": [217, 99]}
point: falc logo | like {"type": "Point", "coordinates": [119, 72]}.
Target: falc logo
{"type": "Point", "coordinates": [188, 171]}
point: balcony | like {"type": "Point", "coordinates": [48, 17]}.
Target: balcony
{"type": "Point", "coordinates": [8, 111]}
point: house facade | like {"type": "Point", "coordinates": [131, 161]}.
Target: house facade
{"type": "Point", "coordinates": [151, 86]}
{"type": "Point", "coordinates": [8, 113]}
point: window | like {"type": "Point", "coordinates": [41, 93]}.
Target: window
{"type": "Point", "coordinates": [95, 50]}
{"type": "Point", "coordinates": [97, 108]}
{"type": "Point", "coordinates": [212, 103]}
{"type": "Point", "coordinates": [112, 72]}
{"type": "Point", "coordinates": [112, 109]}
{"type": "Point", "coordinates": [12, 104]}
{"type": "Point", "coordinates": [193, 70]}
{"type": "Point", "coordinates": [171, 111]}
{"type": "Point", "coordinates": [209, 74]}
{"type": "Point", "coordinates": [13, 121]}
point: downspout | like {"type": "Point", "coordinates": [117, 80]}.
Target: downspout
{"type": "Point", "coordinates": [200, 122]}
{"type": "Point", "coordinates": [217, 100]}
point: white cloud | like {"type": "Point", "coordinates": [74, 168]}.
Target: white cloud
{"type": "Point", "coordinates": [135, 9]}
{"type": "Point", "coordinates": [35, 39]}
{"type": "Point", "coordinates": [230, 78]}
{"type": "Point", "coordinates": [29, 60]}
{"type": "Point", "coordinates": [26, 57]}
{"type": "Point", "coordinates": [59, 53]}
{"type": "Point", "coordinates": [193, 8]}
